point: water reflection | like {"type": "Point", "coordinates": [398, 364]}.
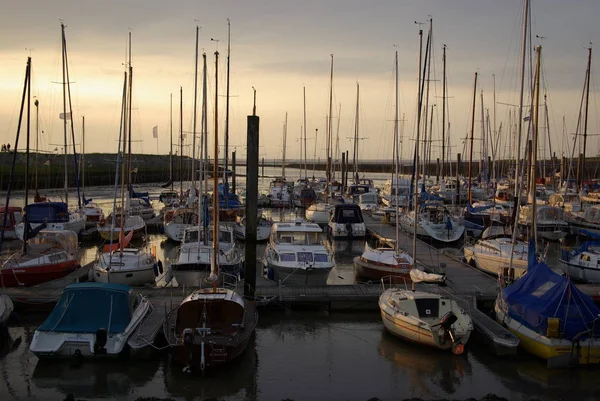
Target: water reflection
{"type": "Point", "coordinates": [426, 368]}
{"type": "Point", "coordinates": [97, 379]}
{"type": "Point", "coordinates": [237, 379]}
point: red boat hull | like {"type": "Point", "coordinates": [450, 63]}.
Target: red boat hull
{"type": "Point", "coordinates": [28, 276]}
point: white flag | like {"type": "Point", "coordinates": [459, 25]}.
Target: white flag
{"type": "Point", "coordinates": [62, 116]}
{"type": "Point", "coordinates": [155, 131]}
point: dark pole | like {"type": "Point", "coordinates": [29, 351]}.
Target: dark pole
{"type": "Point", "coordinates": [344, 171]}
{"type": "Point", "coordinates": [471, 141]}
{"type": "Point", "coordinates": [252, 142]}
{"type": "Point", "coordinates": [458, 178]}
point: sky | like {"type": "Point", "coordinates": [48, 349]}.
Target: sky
{"type": "Point", "coordinates": [282, 47]}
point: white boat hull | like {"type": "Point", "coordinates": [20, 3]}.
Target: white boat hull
{"type": "Point", "coordinates": [493, 264]}
{"type": "Point", "coordinates": [75, 224]}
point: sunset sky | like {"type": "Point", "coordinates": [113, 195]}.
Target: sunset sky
{"type": "Point", "coordinates": [279, 47]}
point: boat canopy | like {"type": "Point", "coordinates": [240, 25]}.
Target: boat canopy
{"type": "Point", "coordinates": [542, 294]}
{"type": "Point", "coordinates": [50, 212]}
{"type": "Point", "coordinates": [347, 213]}
{"type": "Point", "coordinates": [88, 307]}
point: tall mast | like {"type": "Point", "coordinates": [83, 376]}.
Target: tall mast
{"type": "Point", "coordinates": [124, 114]}
{"type": "Point", "coordinates": [483, 158]}
{"type": "Point", "coordinates": [201, 217]}
{"type": "Point", "coordinates": [284, 146]}
{"type": "Point", "coordinates": [129, 103]}
{"type": "Point", "coordinates": [535, 141]}
{"type": "Point", "coordinates": [356, 121]}
{"type": "Point", "coordinates": [28, 86]}
{"type": "Point", "coordinates": [37, 135]}
{"type": "Point", "coordinates": [585, 121]}
{"type": "Point", "coordinates": [520, 119]}
{"type": "Point", "coordinates": [304, 131]}
{"type": "Point", "coordinates": [64, 84]}
{"type": "Point", "coordinates": [205, 118]}
{"type": "Point", "coordinates": [194, 113]}
{"type": "Point", "coordinates": [471, 140]}
{"type": "Point", "coordinates": [328, 136]}
{"type": "Point", "coordinates": [443, 111]}
{"type": "Point", "coordinates": [75, 164]}
{"type": "Point", "coordinates": [215, 214]}
{"type": "Point", "coordinates": [396, 139]}
{"type": "Point", "coordinates": [337, 140]}
{"type": "Point", "coordinates": [82, 156]}
{"type": "Point", "coordinates": [181, 141]}
{"type": "Point", "coordinates": [171, 141]}
{"type": "Point", "coordinates": [227, 106]}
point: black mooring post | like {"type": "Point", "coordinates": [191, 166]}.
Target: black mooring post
{"type": "Point", "coordinates": [251, 204]}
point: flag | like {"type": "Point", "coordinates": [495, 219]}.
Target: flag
{"type": "Point", "coordinates": [62, 116]}
{"type": "Point", "coordinates": [155, 131]}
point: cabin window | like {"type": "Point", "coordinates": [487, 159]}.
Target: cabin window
{"type": "Point", "coordinates": [305, 257]}
{"type": "Point", "coordinates": [320, 257]}
{"type": "Point", "coordinates": [313, 238]}
{"type": "Point", "coordinates": [287, 257]}
{"type": "Point", "coordinates": [427, 307]}
{"type": "Point", "coordinates": [300, 238]}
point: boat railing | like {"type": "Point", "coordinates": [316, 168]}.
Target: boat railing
{"type": "Point", "coordinates": [388, 282]}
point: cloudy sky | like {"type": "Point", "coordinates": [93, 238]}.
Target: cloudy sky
{"type": "Point", "coordinates": [281, 46]}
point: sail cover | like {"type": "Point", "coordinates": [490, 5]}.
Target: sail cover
{"type": "Point", "coordinates": [541, 294]}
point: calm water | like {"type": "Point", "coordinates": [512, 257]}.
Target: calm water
{"type": "Point", "coordinates": [299, 355]}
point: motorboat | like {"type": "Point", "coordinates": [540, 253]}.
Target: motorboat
{"type": "Point", "coordinates": [425, 318]}
{"type": "Point", "coordinates": [553, 319]}
{"type": "Point", "coordinates": [263, 228]}
{"type": "Point", "coordinates": [93, 212]}
{"type": "Point", "coordinates": [14, 215]}
{"type": "Point", "coordinates": [55, 215]}
{"type": "Point", "coordinates": [210, 328]}
{"type": "Point", "coordinates": [568, 201]}
{"type": "Point", "coordinates": [49, 255]}
{"type": "Point", "coordinates": [347, 221]}
{"type": "Point", "coordinates": [279, 193]}
{"type": "Point", "coordinates": [91, 320]}
{"type": "Point", "coordinates": [398, 188]}
{"type": "Point", "coordinates": [376, 263]}
{"type": "Point", "coordinates": [296, 254]}
{"type": "Point", "coordinates": [140, 207]}
{"type": "Point", "coordinates": [583, 223]}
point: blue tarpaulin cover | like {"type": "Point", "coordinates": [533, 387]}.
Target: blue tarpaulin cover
{"type": "Point", "coordinates": [87, 307]}
{"type": "Point", "coordinates": [541, 294]}
{"type": "Point", "coordinates": [47, 211]}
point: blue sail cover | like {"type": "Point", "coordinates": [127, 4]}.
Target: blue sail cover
{"type": "Point", "coordinates": [541, 294]}
{"type": "Point", "coordinates": [51, 212]}
{"type": "Point", "coordinates": [478, 209]}
{"type": "Point", "coordinates": [87, 307]}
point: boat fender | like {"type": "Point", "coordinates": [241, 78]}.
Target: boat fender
{"type": "Point", "coordinates": [160, 266]}
{"type": "Point", "coordinates": [155, 269]}
{"type": "Point", "coordinates": [270, 274]}
{"type": "Point", "coordinates": [100, 344]}
{"type": "Point", "coordinates": [241, 273]}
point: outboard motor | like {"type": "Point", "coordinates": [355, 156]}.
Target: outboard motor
{"type": "Point", "coordinates": [446, 322]}
{"type": "Point", "coordinates": [349, 229]}
{"type": "Point", "coordinates": [101, 340]}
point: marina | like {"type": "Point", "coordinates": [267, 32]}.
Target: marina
{"type": "Point", "coordinates": [449, 248]}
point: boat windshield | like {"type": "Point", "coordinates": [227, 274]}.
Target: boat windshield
{"type": "Point", "coordinates": [298, 238]}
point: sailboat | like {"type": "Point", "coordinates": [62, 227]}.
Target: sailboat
{"type": "Point", "coordinates": [375, 263]}
{"type": "Point", "coordinates": [195, 251]}
{"type": "Point", "coordinates": [417, 316]}
{"type": "Point", "coordinates": [56, 215]}
{"type": "Point", "coordinates": [46, 254]}
{"type": "Point", "coordinates": [212, 326]}
{"type": "Point", "coordinates": [116, 263]}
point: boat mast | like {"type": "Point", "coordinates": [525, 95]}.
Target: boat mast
{"type": "Point", "coordinates": [304, 131]}
{"type": "Point", "coordinates": [64, 84]}
{"type": "Point", "coordinates": [130, 107]}
{"type": "Point", "coordinates": [124, 114]}
{"type": "Point", "coordinates": [37, 135]}
{"type": "Point", "coordinates": [194, 113]}
{"type": "Point", "coordinates": [120, 155]}
{"type": "Point", "coordinates": [535, 141]}
{"type": "Point", "coordinates": [181, 142]}
{"type": "Point", "coordinates": [483, 156]}
{"type": "Point", "coordinates": [443, 111]}
{"type": "Point", "coordinates": [355, 145]}
{"type": "Point", "coordinates": [171, 141]}
{"type": "Point", "coordinates": [585, 121]}
{"type": "Point", "coordinates": [284, 146]}
{"type": "Point", "coordinates": [201, 204]}
{"type": "Point", "coordinates": [82, 157]}
{"type": "Point", "coordinates": [395, 146]}
{"type": "Point", "coordinates": [328, 161]}
{"type": "Point", "coordinates": [204, 122]}
{"type": "Point", "coordinates": [469, 195]}
{"type": "Point", "coordinates": [337, 142]}
{"type": "Point", "coordinates": [225, 178]}
{"type": "Point", "coordinates": [215, 211]}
